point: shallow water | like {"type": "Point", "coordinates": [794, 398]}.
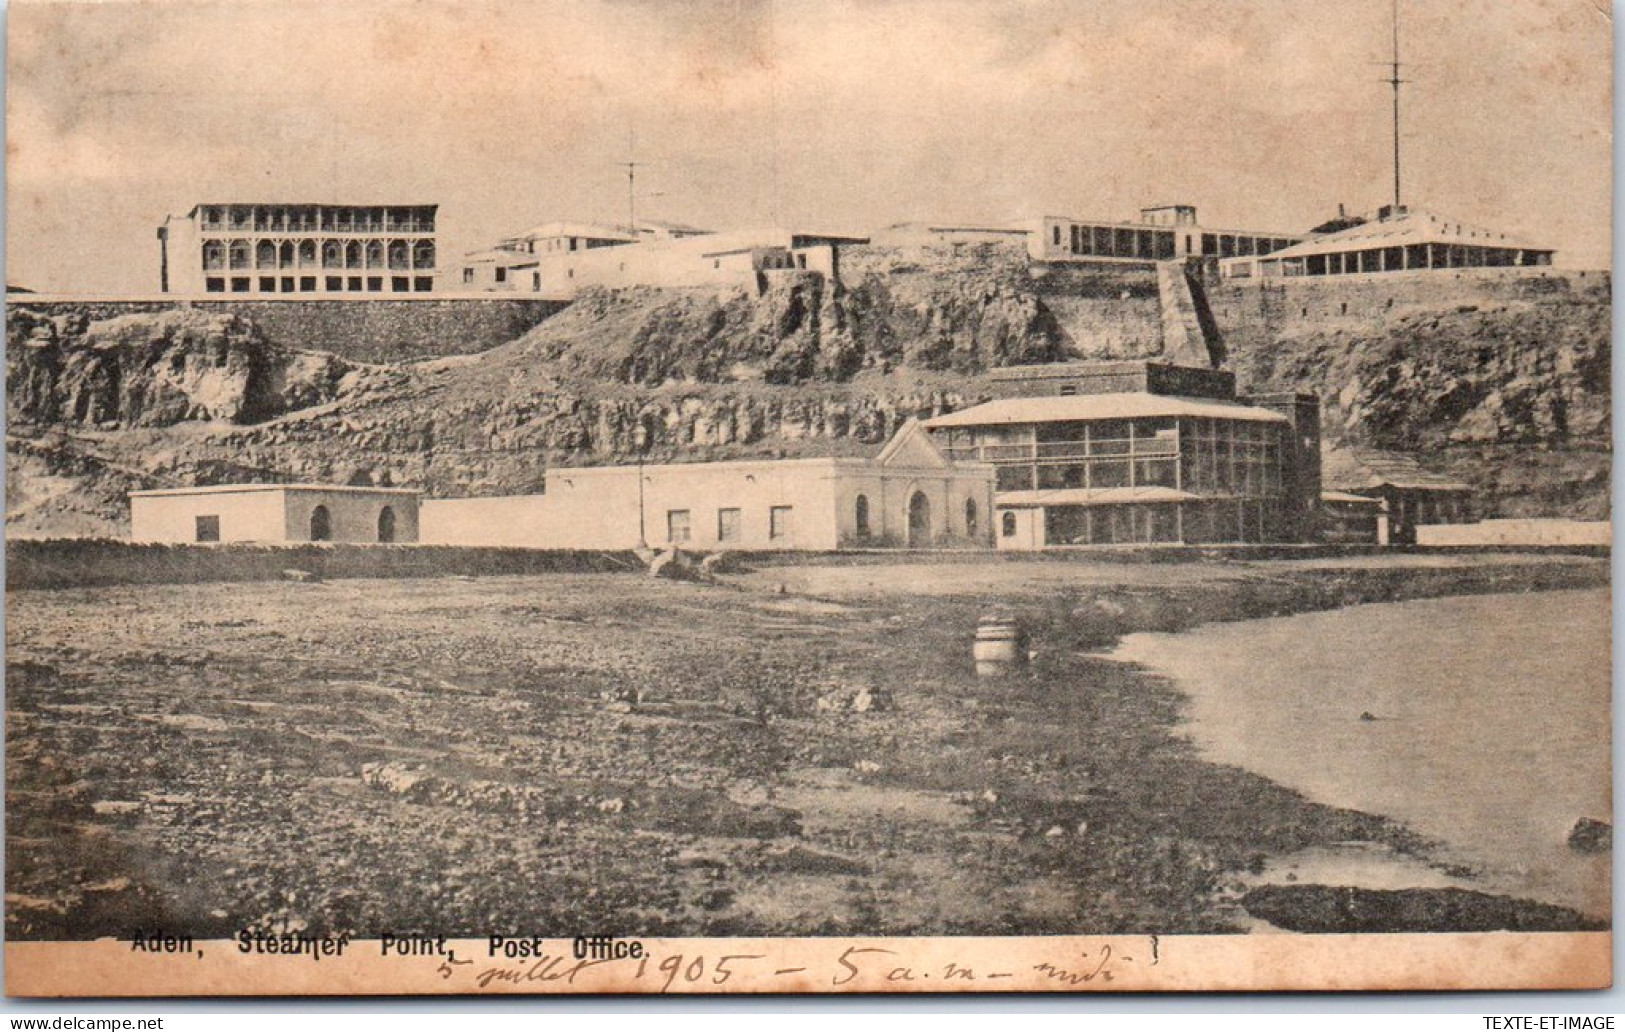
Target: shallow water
{"type": "Point", "coordinates": [1491, 729]}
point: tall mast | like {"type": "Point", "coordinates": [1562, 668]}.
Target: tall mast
{"type": "Point", "coordinates": [631, 165]}
{"type": "Point", "coordinates": [1395, 81]}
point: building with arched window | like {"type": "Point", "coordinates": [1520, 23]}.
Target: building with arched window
{"type": "Point", "coordinates": [908, 496]}
{"type": "Point", "coordinates": [275, 514]}
{"type": "Point", "coordinates": [326, 250]}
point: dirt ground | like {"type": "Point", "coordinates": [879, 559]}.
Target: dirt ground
{"type": "Point", "coordinates": [797, 750]}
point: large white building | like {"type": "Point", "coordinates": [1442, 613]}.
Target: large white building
{"type": "Point", "coordinates": [909, 495]}
{"type": "Point", "coordinates": [558, 259]}
{"type": "Point", "coordinates": [1165, 232]}
{"type": "Point", "coordinates": [1397, 240]}
{"type": "Point", "coordinates": [263, 249]}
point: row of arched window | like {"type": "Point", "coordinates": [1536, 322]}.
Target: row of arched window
{"type": "Point", "coordinates": [916, 504]}
{"type": "Point", "coordinates": [321, 524]}
{"type": "Point", "coordinates": [311, 254]}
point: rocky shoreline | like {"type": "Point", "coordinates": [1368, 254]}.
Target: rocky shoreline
{"type": "Point", "coordinates": [567, 752]}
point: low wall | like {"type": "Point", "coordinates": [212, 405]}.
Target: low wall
{"type": "Point", "coordinates": [1519, 532]}
{"type": "Point", "coordinates": [394, 330]}
{"type": "Point", "coordinates": [82, 563]}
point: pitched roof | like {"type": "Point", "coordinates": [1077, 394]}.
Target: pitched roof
{"type": "Point", "coordinates": [1357, 469]}
{"type": "Point", "coordinates": [1080, 407]}
{"type": "Point", "coordinates": [1414, 227]}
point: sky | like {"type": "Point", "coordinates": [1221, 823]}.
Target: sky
{"type": "Point", "coordinates": [828, 115]}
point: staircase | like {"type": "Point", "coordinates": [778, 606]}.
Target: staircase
{"type": "Point", "coordinates": [1190, 336]}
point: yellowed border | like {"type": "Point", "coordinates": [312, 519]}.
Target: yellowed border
{"type": "Point", "coordinates": [1480, 961]}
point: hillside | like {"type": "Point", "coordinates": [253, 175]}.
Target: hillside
{"type": "Point", "coordinates": [1503, 382]}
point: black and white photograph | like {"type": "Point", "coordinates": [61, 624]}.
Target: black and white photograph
{"type": "Point", "coordinates": [815, 497]}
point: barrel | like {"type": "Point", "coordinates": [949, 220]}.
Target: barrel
{"type": "Point", "coordinates": [1001, 646]}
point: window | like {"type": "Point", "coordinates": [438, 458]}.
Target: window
{"type": "Point", "coordinates": [386, 525]}
{"type": "Point", "coordinates": [861, 508]}
{"type": "Point", "coordinates": [335, 283]}
{"type": "Point", "coordinates": [239, 284]}
{"type": "Point", "coordinates": [353, 283]}
{"type": "Point", "coordinates": [677, 526]}
{"type": "Point", "coordinates": [400, 284]}
{"type": "Point", "coordinates": [536, 281]}
{"type": "Point", "coordinates": [727, 524]}
{"type": "Point", "coordinates": [778, 522]}
{"type": "Point", "coordinates": [208, 528]}
{"type": "Point", "coordinates": [423, 284]}
{"type": "Point", "coordinates": [1068, 390]}
{"type": "Point", "coordinates": [214, 285]}
{"type": "Point", "coordinates": [268, 284]}
{"type": "Point", "coordinates": [1007, 524]}
{"type": "Point", "coordinates": [501, 274]}
{"type": "Point", "coordinates": [970, 517]}
{"type": "Point", "coordinates": [468, 275]}
{"type": "Point", "coordinates": [321, 524]}
{"type": "Point", "coordinates": [287, 284]}
{"type": "Point", "coordinates": [307, 283]}
{"type": "Point", "coordinates": [375, 284]}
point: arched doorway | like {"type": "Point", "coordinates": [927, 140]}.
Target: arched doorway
{"type": "Point", "coordinates": [919, 521]}
{"type": "Point", "coordinates": [970, 518]}
{"type": "Point", "coordinates": [321, 524]}
{"type": "Point", "coordinates": [386, 525]}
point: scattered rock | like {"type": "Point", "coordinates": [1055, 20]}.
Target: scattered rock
{"type": "Point", "coordinates": [1340, 909]}
{"type": "Point", "coordinates": [115, 807]}
{"type": "Point", "coordinates": [798, 859]}
{"type": "Point", "coordinates": [1590, 835]}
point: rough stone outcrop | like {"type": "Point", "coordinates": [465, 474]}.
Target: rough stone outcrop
{"type": "Point", "coordinates": [156, 369]}
{"type": "Point", "coordinates": [1500, 382]}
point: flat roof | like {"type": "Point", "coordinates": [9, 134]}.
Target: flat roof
{"type": "Point", "coordinates": [1090, 496]}
{"type": "Point", "coordinates": [1190, 226]}
{"type": "Point", "coordinates": [1082, 407]}
{"type": "Point", "coordinates": [245, 488]}
{"type": "Point", "coordinates": [433, 205]}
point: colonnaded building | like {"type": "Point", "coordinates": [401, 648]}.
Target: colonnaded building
{"type": "Point", "coordinates": [1141, 453]}
{"type": "Point", "coordinates": [262, 249]}
{"type": "Point", "coordinates": [1397, 240]}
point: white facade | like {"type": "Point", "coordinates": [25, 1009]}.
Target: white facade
{"type": "Point", "coordinates": [908, 496]}
{"type": "Point", "coordinates": [1163, 233]}
{"type": "Point", "coordinates": [558, 266]}
{"type": "Point", "coordinates": [274, 514]}
{"type": "Point", "coordinates": [1398, 240]}
{"type": "Point", "coordinates": [275, 250]}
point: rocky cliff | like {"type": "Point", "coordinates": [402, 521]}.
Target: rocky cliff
{"type": "Point", "coordinates": [1513, 394]}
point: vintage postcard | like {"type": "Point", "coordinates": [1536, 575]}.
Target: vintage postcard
{"type": "Point", "coordinates": [819, 497]}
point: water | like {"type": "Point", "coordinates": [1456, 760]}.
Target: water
{"type": "Point", "coordinates": [1491, 730]}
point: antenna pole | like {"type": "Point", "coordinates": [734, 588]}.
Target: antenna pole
{"type": "Point", "coordinates": [631, 165]}
{"type": "Point", "coordinates": [1395, 81]}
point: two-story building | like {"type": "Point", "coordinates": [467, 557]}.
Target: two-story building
{"type": "Point", "coordinates": [1140, 453]}
{"type": "Point", "coordinates": [280, 249]}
